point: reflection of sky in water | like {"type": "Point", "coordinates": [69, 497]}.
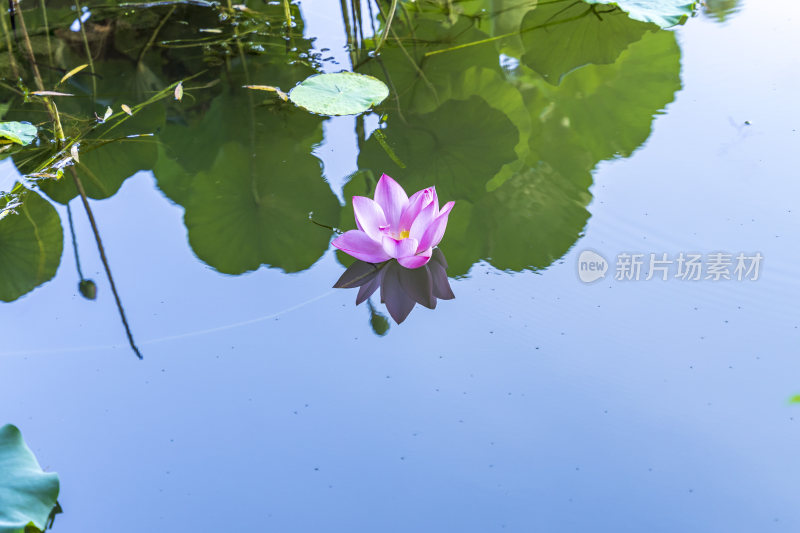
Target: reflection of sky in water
{"type": "Point", "coordinates": [530, 403]}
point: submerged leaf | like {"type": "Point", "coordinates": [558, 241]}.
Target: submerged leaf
{"type": "Point", "coordinates": [18, 132]}
{"type": "Point", "coordinates": [341, 93]}
{"type": "Point", "coordinates": [28, 495]}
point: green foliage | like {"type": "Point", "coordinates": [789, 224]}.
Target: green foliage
{"type": "Point", "coordinates": [249, 210]}
{"type": "Point", "coordinates": [559, 37]}
{"type": "Point", "coordinates": [27, 494]}
{"type": "Point", "coordinates": [31, 242]}
{"type": "Point", "coordinates": [18, 132]}
{"type": "Point", "coordinates": [341, 93]}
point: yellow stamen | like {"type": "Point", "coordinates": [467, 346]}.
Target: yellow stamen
{"type": "Point", "coordinates": [404, 234]}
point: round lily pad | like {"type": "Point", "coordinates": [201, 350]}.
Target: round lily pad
{"type": "Point", "coordinates": [17, 132]}
{"type": "Point", "coordinates": [341, 93]}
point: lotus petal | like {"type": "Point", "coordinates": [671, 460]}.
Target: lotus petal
{"type": "Point", "coordinates": [434, 233]}
{"type": "Point", "coordinates": [416, 203]}
{"type": "Point", "coordinates": [369, 217]}
{"type": "Point", "coordinates": [398, 248]}
{"type": "Point", "coordinates": [392, 198]}
{"type": "Point", "coordinates": [361, 246]}
{"type": "Point", "coordinates": [415, 261]}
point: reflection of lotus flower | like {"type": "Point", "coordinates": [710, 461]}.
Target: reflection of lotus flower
{"type": "Point", "coordinates": [401, 288]}
{"type": "Point", "coordinates": [394, 226]}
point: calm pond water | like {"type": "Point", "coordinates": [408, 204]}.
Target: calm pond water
{"type": "Point", "coordinates": [535, 400]}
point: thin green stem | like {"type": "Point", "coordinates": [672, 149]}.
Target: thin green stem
{"type": "Point", "coordinates": [387, 25]}
{"type": "Point", "coordinates": [88, 49]}
{"type": "Point", "coordinates": [155, 34]}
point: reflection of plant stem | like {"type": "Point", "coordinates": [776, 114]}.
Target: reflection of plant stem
{"type": "Point", "coordinates": [287, 13]}
{"type": "Point", "coordinates": [351, 45]}
{"type": "Point", "coordinates": [387, 25]}
{"type": "Point", "coordinates": [74, 242]}
{"type": "Point", "coordinates": [106, 266]}
{"type": "Point", "coordinates": [88, 48]}
{"type": "Point", "coordinates": [155, 34]}
{"type": "Point", "coordinates": [53, 112]}
{"type": "Point", "coordinates": [510, 34]}
{"type": "Point", "coordinates": [46, 31]}
{"type": "Point", "coordinates": [49, 104]}
{"type": "Point", "coordinates": [11, 59]}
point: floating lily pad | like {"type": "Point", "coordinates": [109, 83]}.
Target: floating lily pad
{"type": "Point", "coordinates": [31, 242]}
{"type": "Point", "coordinates": [27, 494]}
{"type": "Point", "coordinates": [665, 13]}
{"type": "Point", "coordinates": [18, 132]}
{"type": "Point", "coordinates": [341, 93]}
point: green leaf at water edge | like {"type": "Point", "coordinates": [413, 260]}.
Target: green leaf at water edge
{"type": "Point", "coordinates": [341, 93]}
{"type": "Point", "coordinates": [665, 13]}
{"type": "Point", "coordinates": [31, 242]}
{"type": "Point", "coordinates": [27, 494]}
{"type": "Point", "coordinates": [18, 132]}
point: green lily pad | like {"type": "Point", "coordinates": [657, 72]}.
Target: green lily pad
{"type": "Point", "coordinates": [18, 132]}
{"type": "Point", "coordinates": [665, 13]}
{"type": "Point", "coordinates": [341, 93]}
{"type": "Point", "coordinates": [31, 242]}
{"type": "Point", "coordinates": [27, 494]}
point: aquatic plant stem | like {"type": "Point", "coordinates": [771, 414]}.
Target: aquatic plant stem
{"type": "Point", "coordinates": [53, 112]}
{"type": "Point", "coordinates": [11, 58]}
{"type": "Point", "coordinates": [88, 49]}
{"type": "Point", "coordinates": [49, 104]}
{"type": "Point", "coordinates": [152, 39]}
{"type": "Point", "coordinates": [104, 259]}
{"type": "Point", "coordinates": [43, 7]}
{"type": "Point", "coordinates": [74, 242]}
{"type": "Point", "coordinates": [388, 25]}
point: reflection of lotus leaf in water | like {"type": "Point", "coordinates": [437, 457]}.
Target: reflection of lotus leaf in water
{"type": "Point", "coordinates": [246, 211]}
{"type": "Point", "coordinates": [31, 243]}
{"type": "Point", "coordinates": [579, 36]}
{"type": "Point", "coordinates": [458, 148]}
{"type": "Point", "coordinates": [532, 215]}
{"type": "Point", "coordinates": [27, 494]}
{"type": "Point", "coordinates": [401, 288]}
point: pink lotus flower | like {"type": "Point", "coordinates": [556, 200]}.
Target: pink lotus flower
{"type": "Point", "coordinates": [394, 226]}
